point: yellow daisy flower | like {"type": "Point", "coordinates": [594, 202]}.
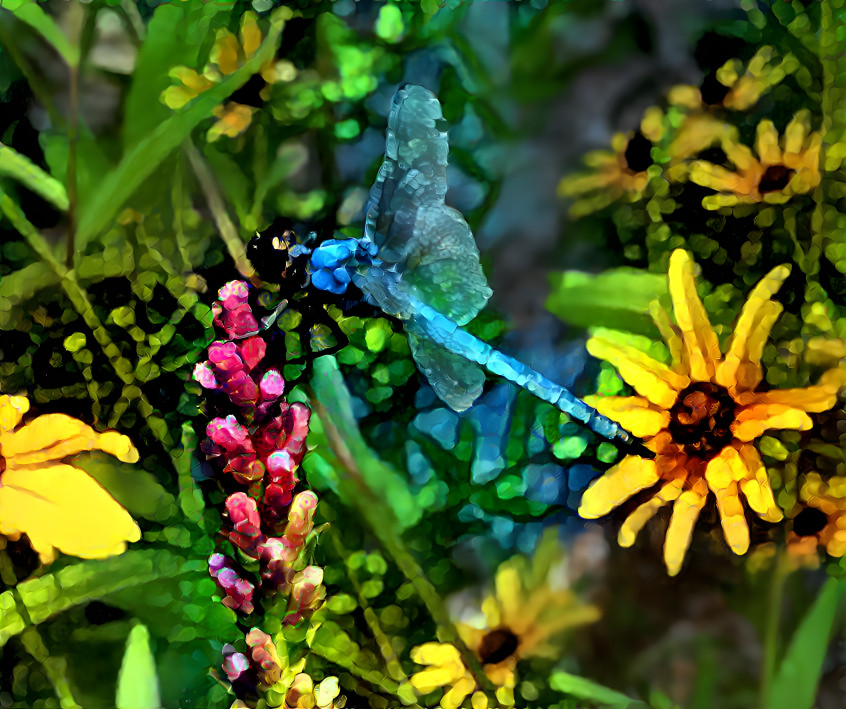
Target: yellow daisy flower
{"type": "Point", "coordinates": [57, 506]}
{"type": "Point", "coordinates": [620, 172]}
{"type": "Point", "coordinates": [780, 170]}
{"type": "Point", "coordinates": [700, 416]}
{"type": "Point", "coordinates": [733, 86]}
{"type": "Point", "coordinates": [526, 614]}
{"type": "Point", "coordinates": [821, 518]}
{"type": "Point", "coordinates": [524, 617]}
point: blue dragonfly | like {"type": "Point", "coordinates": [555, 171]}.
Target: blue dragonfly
{"type": "Point", "coordinates": [418, 262]}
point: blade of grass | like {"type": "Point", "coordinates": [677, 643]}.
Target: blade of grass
{"type": "Point", "coordinates": [795, 684]}
{"type": "Point", "coordinates": [29, 12]}
{"type": "Point", "coordinates": [21, 168]}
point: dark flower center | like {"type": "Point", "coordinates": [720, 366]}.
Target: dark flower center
{"type": "Point", "coordinates": [775, 178]}
{"type": "Point", "coordinates": [809, 521]}
{"type": "Point", "coordinates": [2, 464]}
{"type": "Point", "coordinates": [712, 91]}
{"type": "Point", "coordinates": [498, 645]}
{"type": "Point", "coordinates": [638, 153]}
{"type": "Point", "coordinates": [701, 419]}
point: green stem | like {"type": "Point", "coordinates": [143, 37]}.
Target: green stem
{"type": "Point", "coordinates": [383, 524]}
{"type": "Point", "coordinates": [73, 136]}
{"type": "Point", "coordinates": [228, 232]}
{"type": "Point", "coordinates": [781, 570]}
{"type": "Point", "coordinates": [54, 667]}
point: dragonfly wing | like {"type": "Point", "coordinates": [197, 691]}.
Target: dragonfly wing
{"type": "Point", "coordinates": [455, 380]}
{"type": "Point", "coordinates": [407, 219]}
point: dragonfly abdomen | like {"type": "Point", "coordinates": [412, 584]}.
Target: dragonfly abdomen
{"type": "Point", "coordinates": [450, 336]}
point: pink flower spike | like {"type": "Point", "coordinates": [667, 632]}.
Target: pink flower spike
{"type": "Point", "coordinates": [231, 436]}
{"type": "Point", "coordinates": [272, 385]}
{"type": "Point", "coordinates": [281, 467]}
{"type": "Point", "coordinates": [205, 376]}
{"type": "Point", "coordinates": [241, 389]}
{"type": "Point", "coordinates": [242, 508]}
{"type": "Point", "coordinates": [235, 665]}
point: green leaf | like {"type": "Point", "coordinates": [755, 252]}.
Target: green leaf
{"type": "Point", "coordinates": [136, 166]}
{"type": "Point", "coordinates": [22, 169]}
{"type": "Point", "coordinates": [175, 37]}
{"type": "Point", "coordinates": [582, 688]}
{"type": "Point", "coordinates": [138, 683]}
{"type": "Point", "coordinates": [332, 392]}
{"type": "Point", "coordinates": [617, 299]}
{"type": "Point", "coordinates": [795, 684]}
{"type": "Point", "coordinates": [29, 12]}
{"type": "Point", "coordinates": [132, 486]}
{"type": "Point", "coordinates": [19, 286]}
{"type": "Point", "coordinates": [86, 581]}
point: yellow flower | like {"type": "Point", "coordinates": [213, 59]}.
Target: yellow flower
{"type": "Point", "coordinates": [228, 54]}
{"type": "Point", "coordinates": [445, 669]}
{"type": "Point", "coordinates": [57, 506]}
{"type": "Point", "coordinates": [303, 694]}
{"type": "Point", "coordinates": [732, 86]}
{"type": "Point", "coordinates": [821, 518]}
{"type": "Point", "coordinates": [777, 173]}
{"type": "Point", "coordinates": [621, 172]}
{"type": "Point", "coordinates": [700, 417]}
{"type": "Point", "coordinates": [526, 614]}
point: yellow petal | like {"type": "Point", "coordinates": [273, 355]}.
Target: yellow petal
{"type": "Point", "coordinates": [740, 156]}
{"type": "Point", "coordinates": [722, 475]}
{"type": "Point", "coordinates": [55, 436]}
{"type": "Point", "coordinates": [479, 701]}
{"type": "Point", "coordinates": [637, 519]}
{"type": "Point", "coordinates": [684, 95]}
{"type": "Point", "coordinates": [751, 421]}
{"type": "Point", "coordinates": [686, 511]}
{"type": "Point", "coordinates": [629, 476]}
{"type": "Point", "coordinates": [813, 399]}
{"type": "Point", "coordinates": [250, 34]}
{"type": "Point", "coordinates": [12, 410]}
{"type": "Point", "coordinates": [796, 132]}
{"type": "Point", "coordinates": [741, 370]}
{"type": "Point", "coordinates": [225, 52]}
{"type": "Point", "coordinates": [668, 331]}
{"type": "Point", "coordinates": [61, 506]}
{"type": "Point", "coordinates": [766, 143]}
{"type": "Point", "coordinates": [700, 340]}
{"type": "Point", "coordinates": [435, 654]}
{"type": "Point", "coordinates": [654, 380]}
{"type": "Point", "coordinates": [508, 591]}
{"type": "Point", "coordinates": [632, 412]}
{"type": "Point", "coordinates": [715, 177]}
{"type": "Point", "coordinates": [756, 487]}
{"type": "Point", "coordinates": [455, 696]}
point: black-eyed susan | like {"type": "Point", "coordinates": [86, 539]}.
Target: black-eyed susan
{"type": "Point", "coordinates": [57, 506]}
{"type": "Point", "coordinates": [781, 169]}
{"type": "Point", "coordinates": [620, 173]}
{"type": "Point", "coordinates": [820, 517]}
{"type": "Point", "coordinates": [532, 605]}
{"type": "Point", "coordinates": [735, 87]}
{"type": "Point", "coordinates": [700, 416]}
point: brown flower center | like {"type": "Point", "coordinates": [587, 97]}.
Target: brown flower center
{"type": "Point", "coordinates": [775, 178]}
{"type": "Point", "coordinates": [712, 91]}
{"type": "Point", "coordinates": [638, 153]}
{"type": "Point", "coordinates": [701, 419]}
{"type": "Point", "coordinates": [809, 522]}
{"type": "Point", "coordinates": [2, 464]}
{"type": "Point", "coordinates": [498, 645]}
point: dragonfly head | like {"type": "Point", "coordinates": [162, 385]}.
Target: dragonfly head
{"type": "Point", "coordinates": [278, 257]}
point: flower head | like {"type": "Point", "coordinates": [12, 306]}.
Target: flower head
{"type": "Point", "coordinates": [619, 173]}
{"type": "Point", "coordinates": [781, 169]}
{"type": "Point", "coordinates": [735, 87]}
{"type": "Point", "coordinates": [530, 607]}
{"type": "Point", "coordinates": [820, 518]}
{"type": "Point", "coordinates": [59, 507]}
{"type": "Point", "coordinates": [700, 416]}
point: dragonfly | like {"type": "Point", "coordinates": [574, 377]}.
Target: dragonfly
{"type": "Point", "coordinates": [418, 262]}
